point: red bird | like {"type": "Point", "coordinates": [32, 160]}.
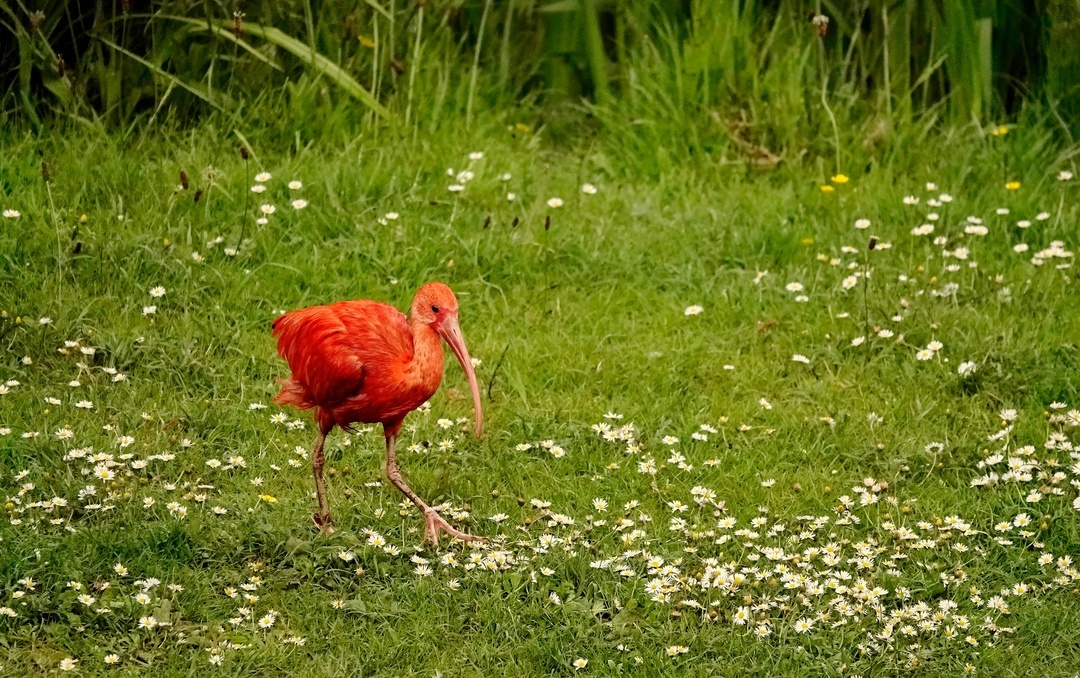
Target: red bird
{"type": "Point", "coordinates": [363, 361]}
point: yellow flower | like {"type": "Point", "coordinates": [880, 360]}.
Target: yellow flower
{"type": "Point", "coordinates": [268, 498]}
{"type": "Point", "coordinates": [1000, 131]}
{"type": "Point", "coordinates": [807, 241]}
{"type": "Point", "coordinates": [827, 189]}
{"type": "Point", "coordinates": [840, 179]}
{"type": "Point", "coordinates": [1012, 185]}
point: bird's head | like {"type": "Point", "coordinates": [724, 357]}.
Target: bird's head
{"type": "Point", "coordinates": [436, 306]}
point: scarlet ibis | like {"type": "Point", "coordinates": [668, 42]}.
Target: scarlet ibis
{"type": "Point", "coordinates": [364, 362]}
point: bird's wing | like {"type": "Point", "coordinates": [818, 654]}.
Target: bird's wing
{"type": "Point", "coordinates": [327, 347]}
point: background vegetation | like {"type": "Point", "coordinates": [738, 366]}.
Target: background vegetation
{"type": "Point", "coordinates": [756, 81]}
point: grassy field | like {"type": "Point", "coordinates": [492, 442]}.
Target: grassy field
{"type": "Point", "coordinates": [731, 427]}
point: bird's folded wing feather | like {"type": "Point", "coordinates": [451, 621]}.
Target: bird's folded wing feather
{"type": "Point", "coordinates": [328, 347]}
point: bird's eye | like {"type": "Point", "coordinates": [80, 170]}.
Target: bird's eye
{"type": "Point", "coordinates": [434, 309]}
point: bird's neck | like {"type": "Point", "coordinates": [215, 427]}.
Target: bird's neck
{"type": "Point", "coordinates": [427, 362]}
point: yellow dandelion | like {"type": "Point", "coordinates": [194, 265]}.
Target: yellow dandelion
{"type": "Point", "coordinates": [839, 179]}
{"type": "Point", "coordinates": [268, 498]}
{"type": "Point", "coordinates": [1012, 185]}
{"type": "Point", "coordinates": [827, 189]}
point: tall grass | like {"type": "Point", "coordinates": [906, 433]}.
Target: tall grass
{"type": "Point", "coordinates": [757, 76]}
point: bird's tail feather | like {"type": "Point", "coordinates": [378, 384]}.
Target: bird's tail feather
{"type": "Point", "coordinates": [292, 393]}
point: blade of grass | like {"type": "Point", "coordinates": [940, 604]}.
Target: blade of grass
{"type": "Point", "coordinates": [476, 64]}
{"type": "Point", "coordinates": [985, 63]}
{"type": "Point", "coordinates": [413, 64]}
{"type": "Point", "coordinates": [382, 10]}
{"type": "Point", "coordinates": [504, 50]}
{"type": "Point", "coordinates": [194, 89]}
{"type": "Point", "coordinates": [595, 48]}
{"type": "Point", "coordinates": [303, 52]}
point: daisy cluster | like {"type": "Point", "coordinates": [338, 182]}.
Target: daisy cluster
{"type": "Point", "coordinates": [262, 189]}
{"type": "Point", "coordinates": [857, 274]}
{"type": "Point", "coordinates": [114, 471]}
{"type": "Point", "coordinates": [460, 179]}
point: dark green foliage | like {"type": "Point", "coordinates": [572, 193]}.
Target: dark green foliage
{"type": "Point", "coordinates": [758, 76]}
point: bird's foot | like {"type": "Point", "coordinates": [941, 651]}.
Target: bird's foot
{"type": "Point", "coordinates": [324, 522]}
{"type": "Point", "coordinates": [434, 523]}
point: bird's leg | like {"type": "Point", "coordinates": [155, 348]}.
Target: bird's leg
{"type": "Point", "coordinates": [322, 518]}
{"type": "Point", "coordinates": [433, 522]}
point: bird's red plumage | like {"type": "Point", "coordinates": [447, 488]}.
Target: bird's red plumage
{"type": "Point", "coordinates": [362, 361]}
{"type": "Point", "coordinates": [357, 361]}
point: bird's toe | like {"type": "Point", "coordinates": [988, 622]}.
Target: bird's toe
{"type": "Point", "coordinates": [434, 523]}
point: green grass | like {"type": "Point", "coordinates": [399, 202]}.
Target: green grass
{"type": "Point", "coordinates": [570, 321]}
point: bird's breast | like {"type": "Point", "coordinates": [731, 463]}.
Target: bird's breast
{"type": "Point", "coordinates": [388, 395]}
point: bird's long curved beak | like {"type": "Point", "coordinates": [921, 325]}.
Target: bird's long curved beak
{"type": "Point", "coordinates": [451, 332]}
